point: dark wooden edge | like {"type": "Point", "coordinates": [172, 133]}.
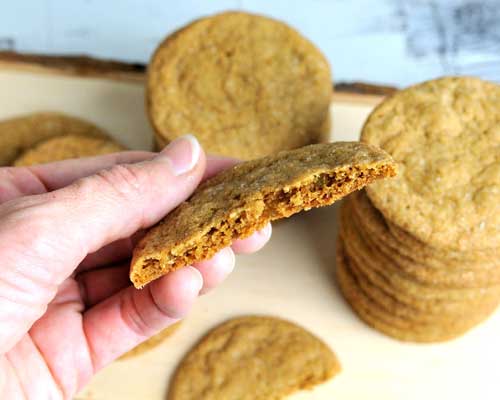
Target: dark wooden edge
{"type": "Point", "coordinates": [85, 66]}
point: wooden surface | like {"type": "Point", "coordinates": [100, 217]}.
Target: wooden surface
{"type": "Point", "coordinates": [293, 277]}
{"type": "Point", "coordinates": [84, 66]}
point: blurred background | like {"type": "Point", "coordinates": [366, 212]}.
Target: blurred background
{"type": "Point", "coordinates": [391, 42]}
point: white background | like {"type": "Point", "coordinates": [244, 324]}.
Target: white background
{"type": "Point", "coordinates": [394, 42]}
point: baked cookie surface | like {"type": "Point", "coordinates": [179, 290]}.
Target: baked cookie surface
{"type": "Point", "coordinates": [66, 147]}
{"type": "Point", "coordinates": [254, 358]}
{"type": "Point", "coordinates": [243, 199]}
{"type": "Point", "coordinates": [444, 135]}
{"type": "Point", "coordinates": [21, 133]}
{"type": "Point", "coordinates": [246, 85]}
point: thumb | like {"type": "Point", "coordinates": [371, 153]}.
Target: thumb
{"type": "Point", "coordinates": [43, 238]}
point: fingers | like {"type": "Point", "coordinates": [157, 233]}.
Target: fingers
{"type": "Point", "coordinates": [99, 284]}
{"type": "Point", "coordinates": [121, 322]}
{"type": "Point", "coordinates": [254, 242]}
{"type": "Point", "coordinates": [59, 174]}
{"type": "Point", "coordinates": [44, 238]}
{"type": "Point", "coordinates": [215, 270]}
{"type": "Point", "coordinates": [24, 181]}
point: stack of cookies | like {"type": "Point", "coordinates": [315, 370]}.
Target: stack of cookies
{"type": "Point", "coordinates": [418, 255]}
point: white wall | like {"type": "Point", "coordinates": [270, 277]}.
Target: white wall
{"type": "Point", "coordinates": [394, 42]}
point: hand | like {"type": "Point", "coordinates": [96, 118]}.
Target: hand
{"type": "Point", "coordinates": [67, 307]}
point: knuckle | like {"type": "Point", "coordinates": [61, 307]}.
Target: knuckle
{"type": "Point", "coordinates": [124, 181]}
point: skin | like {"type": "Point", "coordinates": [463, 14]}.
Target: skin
{"type": "Point", "coordinates": [67, 230]}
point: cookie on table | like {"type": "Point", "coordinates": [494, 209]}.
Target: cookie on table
{"type": "Point", "coordinates": [444, 136]}
{"type": "Point", "coordinates": [254, 358]}
{"type": "Point", "coordinates": [66, 147]}
{"type": "Point", "coordinates": [243, 199]}
{"type": "Point", "coordinates": [246, 85]}
{"type": "Point", "coordinates": [152, 342]}
{"type": "Point", "coordinates": [22, 133]}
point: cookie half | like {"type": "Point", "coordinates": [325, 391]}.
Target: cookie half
{"type": "Point", "coordinates": [246, 85]}
{"type": "Point", "coordinates": [243, 199]}
{"type": "Point", "coordinates": [253, 358]}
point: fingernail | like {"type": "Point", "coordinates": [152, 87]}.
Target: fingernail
{"type": "Point", "coordinates": [197, 279]}
{"type": "Point", "coordinates": [183, 154]}
{"type": "Point", "coordinates": [266, 231]}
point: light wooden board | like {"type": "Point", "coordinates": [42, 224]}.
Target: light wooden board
{"type": "Point", "coordinates": [293, 277]}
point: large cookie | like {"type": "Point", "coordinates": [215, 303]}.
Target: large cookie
{"type": "Point", "coordinates": [246, 85]}
{"type": "Point", "coordinates": [66, 147]}
{"type": "Point", "coordinates": [21, 133]}
{"type": "Point", "coordinates": [445, 136]}
{"type": "Point", "coordinates": [253, 358]}
{"type": "Point", "coordinates": [243, 199]}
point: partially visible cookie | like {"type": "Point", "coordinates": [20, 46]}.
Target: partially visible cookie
{"type": "Point", "coordinates": [66, 147]}
{"type": "Point", "coordinates": [246, 85]}
{"type": "Point", "coordinates": [253, 358]}
{"type": "Point", "coordinates": [152, 342]}
{"type": "Point", "coordinates": [444, 134]}
{"type": "Point", "coordinates": [21, 133]}
{"type": "Point", "coordinates": [243, 199]}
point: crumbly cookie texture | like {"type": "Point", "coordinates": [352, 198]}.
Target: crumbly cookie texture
{"type": "Point", "coordinates": [247, 85]}
{"type": "Point", "coordinates": [445, 136]}
{"type": "Point", "coordinates": [253, 358]}
{"type": "Point", "coordinates": [152, 342]}
{"type": "Point", "coordinates": [21, 133]}
{"type": "Point", "coordinates": [67, 147]}
{"type": "Point", "coordinates": [243, 199]}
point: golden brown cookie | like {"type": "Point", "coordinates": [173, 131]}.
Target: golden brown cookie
{"type": "Point", "coordinates": [243, 199]}
{"type": "Point", "coordinates": [254, 358]}
{"type": "Point", "coordinates": [386, 322]}
{"type": "Point", "coordinates": [246, 85]}
{"type": "Point", "coordinates": [66, 147]}
{"type": "Point", "coordinates": [21, 133]}
{"type": "Point", "coordinates": [444, 135]}
{"type": "Point", "coordinates": [152, 342]}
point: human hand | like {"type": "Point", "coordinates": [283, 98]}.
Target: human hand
{"type": "Point", "coordinates": [67, 307]}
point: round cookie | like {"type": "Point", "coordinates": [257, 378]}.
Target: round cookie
{"type": "Point", "coordinates": [253, 358]}
{"type": "Point", "coordinates": [393, 326]}
{"type": "Point", "coordinates": [152, 342]}
{"type": "Point", "coordinates": [66, 147]}
{"type": "Point", "coordinates": [21, 133]}
{"type": "Point", "coordinates": [444, 134]}
{"type": "Point", "coordinates": [246, 85]}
